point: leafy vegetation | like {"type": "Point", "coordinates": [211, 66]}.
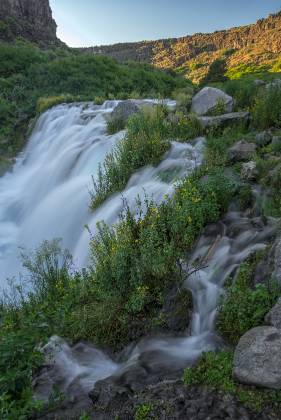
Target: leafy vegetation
{"type": "Point", "coordinates": [138, 260]}
{"type": "Point", "coordinates": [147, 139]}
{"type": "Point", "coordinates": [267, 108]}
{"type": "Point", "coordinates": [216, 72]}
{"type": "Point", "coordinates": [215, 372]}
{"type": "Point", "coordinates": [244, 307]}
{"type": "Point", "coordinates": [28, 73]}
{"type": "Point", "coordinates": [134, 263]}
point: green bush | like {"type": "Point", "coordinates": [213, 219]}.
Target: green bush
{"type": "Point", "coordinates": [114, 125]}
{"type": "Point", "coordinates": [244, 307]}
{"type": "Point", "coordinates": [29, 318]}
{"type": "Point", "coordinates": [184, 127]}
{"type": "Point", "coordinates": [136, 261]}
{"type": "Point", "coordinates": [145, 143]}
{"type": "Point", "coordinates": [216, 72]}
{"type": "Point", "coordinates": [266, 110]}
{"type": "Point", "coordinates": [215, 372]}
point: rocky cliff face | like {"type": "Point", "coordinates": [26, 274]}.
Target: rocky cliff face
{"type": "Point", "coordinates": [30, 19]}
{"type": "Point", "coordinates": [193, 54]}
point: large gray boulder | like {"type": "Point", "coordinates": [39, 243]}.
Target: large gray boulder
{"type": "Point", "coordinates": [257, 358]}
{"type": "Point", "coordinates": [124, 110]}
{"type": "Point", "coordinates": [263, 138]}
{"type": "Point", "coordinates": [208, 98]}
{"type": "Point", "coordinates": [241, 151]}
{"type": "Point", "coordinates": [224, 119]}
{"type": "Point", "coordinates": [273, 317]}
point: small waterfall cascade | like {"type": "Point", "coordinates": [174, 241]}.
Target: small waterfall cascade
{"type": "Point", "coordinates": [46, 195]}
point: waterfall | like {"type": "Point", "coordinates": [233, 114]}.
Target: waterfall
{"type": "Point", "coordinates": [46, 194]}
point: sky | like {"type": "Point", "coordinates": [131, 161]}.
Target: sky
{"type": "Point", "coordinates": [84, 23]}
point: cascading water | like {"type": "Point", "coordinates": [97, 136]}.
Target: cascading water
{"type": "Point", "coordinates": [46, 195]}
{"type": "Point", "coordinates": [219, 252]}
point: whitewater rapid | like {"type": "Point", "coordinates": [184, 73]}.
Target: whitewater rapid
{"type": "Point", "coordinates": [46, 194]}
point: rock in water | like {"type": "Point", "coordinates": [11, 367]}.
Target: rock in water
{"type": "Point", "coordinates": [30, 19]}
{"type": "Point", "coordinates": [257, 358]}
{"type": "Point", "coordinates": [124, 110]}
{"type": "Point", "coordinates": [273, 317]}
{"type": "Point", "coordinates": [208, 98]}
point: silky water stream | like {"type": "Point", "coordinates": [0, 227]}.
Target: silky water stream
{"type": "Point", "coordinates": [46, 196]}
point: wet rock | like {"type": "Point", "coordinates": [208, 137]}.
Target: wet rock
{"type": "Point", "coordinates": [249, 171]}
{"type": "Point", "coordinates": [263, 138]}
{"type": "Point", "coordinates": [171, 399]}
{"type": "Point", "coordinates": [241, 150]}
{"type": "Point", "coordinates": [224, 120]}
{"type": "Point", "coordinates": [177, 308]}
{"type": "Point", "coordinates": [273, 317]}
{"type": "Point", "coordinates": [207, 99]}
{"type": "Point", "coordinates": [257, 358]}
{"type": "Point", "coordinates": [124, 110]}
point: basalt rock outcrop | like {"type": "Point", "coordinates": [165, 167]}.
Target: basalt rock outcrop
{"type": "Point", "coordinates": [192, 55]}
{"type": "Point", "coordinates": [29, 19]}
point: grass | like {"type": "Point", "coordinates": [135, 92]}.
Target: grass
{"type": "Point", "coordinates": [45, 103]}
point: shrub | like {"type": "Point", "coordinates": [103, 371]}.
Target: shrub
{"type": "Point", "coordinates": [244, 307]}
{"type": "Point", "coordinates": [183, 97]}
{"type": "Point", "coordinates": [114, 125]}
{"type": "Point", "coordinates": [143, 412]}
{"type": "Point", "coordinates": [244, 91]}
{"type": "Point", "coordinates": [136, 261]}
{"type": "Point", "coordinates": [267, 109]}
{"type": "Point", "coordinates": [145, 143]}
{"type": "Point", "coordinates": [216, 72]}
{"type": "Point", "coordinates": [215, 372]}
{"type": "Point", "coordinates": [185, 128]}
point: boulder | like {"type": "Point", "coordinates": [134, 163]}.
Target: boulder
{"type": "Point", "coordinates": [273, 317]}
{"type": "Point", "coordinates": [263, 138]}
{"type": "Point", "coordinates": [249, 171]}
{"type": "Point", "coordinates": [257, 358]}
{"type": "Point", "coordinates": [207, 99]}
{"type": "Point", "coordinates": [124, 110]}
{"type": "Point", "coordinates": [224, 119]}
{"type": "Point", "coordinates": [241, 150]}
